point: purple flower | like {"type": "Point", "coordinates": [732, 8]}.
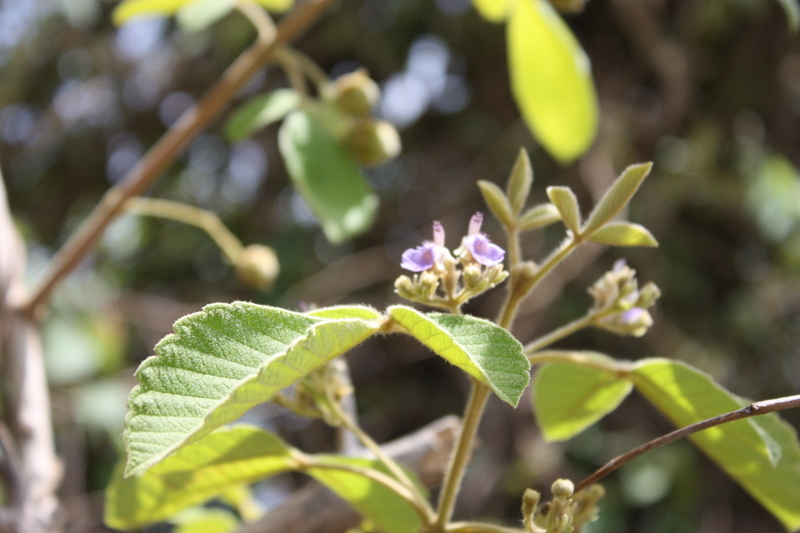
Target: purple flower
{"type": "Point", "coordinates": [632, 316]}
{"type": "Point", "coordinates": [426, 256]}
{"type": "Point", "coordinates": [479, 245]}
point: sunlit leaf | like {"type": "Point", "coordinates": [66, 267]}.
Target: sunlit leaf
{"type": "Point", "coordinates": [128, 9]}
{"type": "Point", "coordinates": [346, 311]}
{"type": "Point", "coordinates": [194, 474]}
{"type": "Point", "coordinates": [539, 216]}
{"type": "Point", "coordinates": [746, 449]}
{"type": "Point", "coordinates": [551, 79]}
{"type": "Point", "coordinates": [389, 512]}
{"type": "Point", "coordinates": [480, 348]}
{"type": "Point", "coordinates": [326, 177]}
{"type": "Point", "coordinates": [202, 520]}
{"type": "Point", "coordinates": [218, 364]}
{"type": "Point", "coordinates": [259, 112]}
{"type": "Point", "coordinates": [567, 204]}
{"type": "Point", "coordinates": [568, 399]}
{"type": "Point", "coordinates": [617, 196]}
{"type": "Point", "coordinates": [623, 234]}
{"type": "Point", "coordinates": [493, 10]}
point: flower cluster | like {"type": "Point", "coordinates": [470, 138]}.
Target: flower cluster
{"type": "Point", "coordinates": [567, 512]}
{"type": "Point", "coordinates": [438, 282]}
{"type": "Point", "coordinates": [622, 304]}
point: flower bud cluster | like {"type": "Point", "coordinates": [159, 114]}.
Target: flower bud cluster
{"type": "Point", "coordinates": [319, 394]}
{"type": "Point", "coordinates": [439, 282]}
{"type": "Point", "coordinates": [368, 140]}
{"type": "Point", "coordinates": [622, 304]}
{"type": "Point", "coordinates": [566, 512]}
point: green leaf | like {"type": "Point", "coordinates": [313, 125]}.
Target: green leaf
{"type": "Point", "coordinates": [201, 14]}
{"type": "Point", "coordinates": [327, 177]}
{"type": "Point", "coordinates": [261, 111]}
{"type": "Point", "coordinates": [519, 184]}
{"type": "Point", "coordinates": [568, 399]}
{"type": "Point", "coordinates": [567, 204]}
{"type": "Point", "coordinates": [390, 513]}
{"type": "Point", "coordinates": [220, 363]}
{"type": "Point", "coordinates": [196, 473]}
{"type": "Point", "coordinates": [623, 234]}
{"type": "Point", "coordinates": [492, 10]}
{"type": "Point", "coordinates": [551, 80]}
{"type": "Point", "coordinates": [480, 348]}
{"type": "Point", "coordinates": [496, 199]}
{"type": "Point", "coordinates": [777, 488]}
{"type": "Point", "coordinates": [617, 196]}
{"type": "Point", "coordinates": [364, 312]}
{"type": "Point", "coordinates": [686, 395]}
{"type": "Point", "coordinates": [792, 9]}
{"type": "Point", "coordinates": [203, 520]}
{"type": "Point", "coordinates": [129, 9]}
{"type": "Point", "coordinates": [539, 216]}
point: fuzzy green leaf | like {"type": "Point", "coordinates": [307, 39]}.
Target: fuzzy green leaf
{"type": "Point", "coordinates": [261, 111]}
{"type": "Point", "coordinates": [539, 216]}
{"type": "Point", "coordinates": [390, 513]}
{"type": "Point", "coordinates": [519, 184]}
{"type": "Point", "coordinates": [496, 199]}
{"type": "Point", "coordinates": [129, 9]}
{"type": "Point", "coordinates": [567, 204]}
{"type": "Point", "coordinates": [220, 363]}
{"type": "Point", "coordinates": [551, 79]}
{"type": "Point", "coordinates": [363, 312]}
{"type": "Point", "coordinates": [745, 449]}
{"type": "Point", "coordinates": [194, 474]}
{"type": "Point", "coordinates": [623, 234]}
{"type": "Point", "coordinates": [617, 196]}
{"type": "Point", "coordinates": [480, 348]}
{"type": "Point", "coordinates": [326, 177]}
{"type": "Point", "coordinates": [568, 399]}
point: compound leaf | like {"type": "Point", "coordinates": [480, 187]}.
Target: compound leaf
{"type": "Point", "coordinates": [480, 348]}
{"type": "Point", "coordinates": [617, 196]}
{"type": "Point", "coordinates": [539, 216]}
{"type": "Point", "coordinates": [567, 204]}
{"type": "Point", "coordinates": [220, 363]}
{"type": "Point", "coordinates": [623, 234]}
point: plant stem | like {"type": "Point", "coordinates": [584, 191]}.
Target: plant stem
{"type": "Point", "coordinates": [513, 244]}
{"type": "Point", "coordinates": [166, 150]}
{"type": "Point", "coordinates": [619, 368]}
{"type": "Point", "coordinates": [519, 289]}
{"type": "Point", "coordinates": [208, 221]}
{"type": "Point", "coordinates": [480, 527]}
{"type": "Point", "coordinates": [479, 394]}
{"type": "Point", "coordinates": [390, 463]}
{"type": "Point", "coordinates": [258, 17]}
{"type": "Point", "coordinates": [754, 409]}
{"type": "Point", "coordinates": [566, 330]}
{"type": "Point", "coordinates": [378, 477]}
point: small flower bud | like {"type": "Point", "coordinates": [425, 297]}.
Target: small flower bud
{"type": "Point", "coordinates": [355, 93]}
{"type": "Point", "coordinates": [372, 142]}
{"type": "Point", "coordinates": [257, 266]}
{"type": "Point", "coordinates": [562, 488]}
{"type": "Point", "coordinates": [530, 501]}
{"type": "Point", "coordinates": [472, 276]}
{"type": "Point", "coordinates": [648, 296]}
{"type": "Point", "coordinates": [428, 283]}
{"type": "Point", "coordinates": [404, 287]}
{"type": "Point", "coordinates": [558, 522]}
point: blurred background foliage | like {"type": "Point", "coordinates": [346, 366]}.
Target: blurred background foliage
{"type": "Point", "coordinates": [708, 90]}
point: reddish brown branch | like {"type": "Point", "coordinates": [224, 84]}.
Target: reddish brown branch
{"type": "Point", "coordinates": [758, 408]}
{"type": "Point", "coordinates": [167, 149]}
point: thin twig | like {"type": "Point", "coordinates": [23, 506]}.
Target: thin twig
{"type": "Point", "coordinates": [166, 150]}
{"type": "Point", "coordinates": [754, 409]}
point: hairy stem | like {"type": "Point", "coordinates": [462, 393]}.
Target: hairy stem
{"type": "Point", "coordinates": [754, 409]}
{"type": "Point", "coordinates": [479, 394]}
{"type": "Point", "coordinates": [590, 319]}
{"type": "Point", "coordinates": [208, 221]}
{"type": "Point", "coordinates": [166, 150]}
{"type": "Point", "coordinates": [480, 527]}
